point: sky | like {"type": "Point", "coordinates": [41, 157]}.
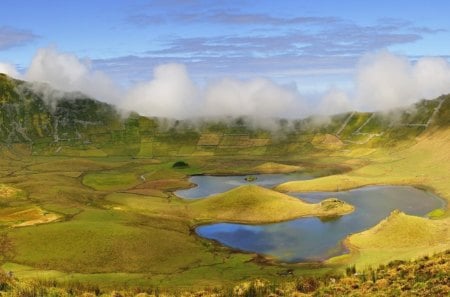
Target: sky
{"type": "Point", "coordinates": [176, 57]}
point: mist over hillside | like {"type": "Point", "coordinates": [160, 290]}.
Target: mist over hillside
{"type": "Point", "coordinates": [56, 122]}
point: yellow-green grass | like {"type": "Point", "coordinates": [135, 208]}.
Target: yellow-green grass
{"type": "Point", "coordinates": [53, 187]}
{"type": "Point", "coordinates": [111, 181]}
{"type": "Point", "coordinates": [165, 184]}
{"type": "Point", "coordinates": [273, 167]}
{"type": "Point", "coordinates": [80, 152]}
{"type": "Point", "coordinates": [71, 164]}
{"type": "Point", "coordinates": [398, 237]}
{"type": "Point", "coordinates": [158, 207]}
{"type": "Point", "coordinates": [9, 192]}
{"type": "Point", "coordinates": [99, 241]}
{"type": "Point", "coordinates": [160, 187]}
{"type": "Point", "coordinates": [426, 163]}
{"type": "Point", "coordinates": [343, 182]}
{"type": "Point", "coordinates": [251, 203]}
{"type": "Point", "coordinates": [26, 216]}
{"type": "Point", "coordinates": [99, 228]}
{"type": "Point", "coordinates": [110, 247]}
{"type": "Point", "coordinates": [326, 141]}
{"type": "Point", "coordinates": [225, 270]}
{"type": "Point", "coordinates": [148, 192]}
{"type": "Point", "coordinates": [436, 213]}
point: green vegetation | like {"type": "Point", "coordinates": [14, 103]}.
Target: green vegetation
{"type": "Point", "coordinates": [250, 178]}
{"type": "Point", "coordinates": [436, 214]}
{"type": "Point", "coordinates": [180, 164]}
{"type": "Point", "coordinates": [273, 167]}
{"type": "Point", "coordinates": [427, 276]}
{"type": "Point", "coordinates": [110, 180]}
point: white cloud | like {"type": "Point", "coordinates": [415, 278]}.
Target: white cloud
{"type": "Point", "coordinates": [66, 72]}
{"type": "Point", "coordinates": [256, 97]}
{"type": "Point", "coordinates": [432, 77]}
{"type": "Point", "coordinates": [171, 93]}
{"type": "Point", "coordinates": [334, 101]}
{"type": "Point", "coordinates": [9, 69]}
{"type": "Point", "coordinates": [384, 80]}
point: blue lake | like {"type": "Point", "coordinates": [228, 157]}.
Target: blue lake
{"type": "Point", "coordinates": [312, 239]}
{"type": "Point", "coordinates": [208, 185]}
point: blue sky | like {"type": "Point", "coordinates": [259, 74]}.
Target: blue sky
{"type": "Point", "coordinates": [312, 44]}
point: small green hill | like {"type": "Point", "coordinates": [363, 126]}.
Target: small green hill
{"type": "Point", "coordinates": [255, 204]}
{"type": "Point", "coordinates": [398, 237]}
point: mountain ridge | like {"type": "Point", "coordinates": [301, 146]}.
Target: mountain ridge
{"type": "Point", "coordinates": [59, 123]}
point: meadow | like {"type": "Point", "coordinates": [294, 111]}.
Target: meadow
{"type": "Point", "coordinates": [118, 222]}
{"type": "Point", "coordinates": [113, 227]}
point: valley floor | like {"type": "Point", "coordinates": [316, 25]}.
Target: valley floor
{"type": "Point", "coordinates": [108, 221]}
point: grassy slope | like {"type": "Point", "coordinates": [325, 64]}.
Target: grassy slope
{"type": "Point", "coordinates": [427, 276]}
{"type": "Point", "coordinates": [273, 167]}
{"type": "Point", "coordinates": [398, 237]}
{"type": "Point", "coordinates": [425, 164]}
{"type": "Point", "coordinates": [109, 241]}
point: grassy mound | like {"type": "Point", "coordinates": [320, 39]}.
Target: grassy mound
{"type": "Point", "coordinates": [108, 241]}
{"type": "Point", "coordinates": [399, 236]}
{"type": "Point", "coordinates": [326, 141]}
{"type": "Point", "coordinates": [110, 181]}
{"type": "Point", "coordinates": [251, 203]}
{"type": "Point", "coordinates": [273, 167]}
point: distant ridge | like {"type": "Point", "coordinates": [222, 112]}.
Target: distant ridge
{"type": "Point", "coordinates": [52, 122]}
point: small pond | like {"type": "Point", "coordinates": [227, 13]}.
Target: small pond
{"type": "Point", "coordinates": [209, 185]}
{"type": "Point", "coordinates": [310, 239]}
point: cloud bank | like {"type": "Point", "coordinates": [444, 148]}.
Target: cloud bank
{"type": "Point", "coordinates": [385, 80]}
{"type": "Point", "coordinates": [381, 81]}
{"type": "Point", "coordinates": [9, 69]}
{"type": "Point", "coordinates": [68, 73]}
{"type": "Point", "coordinates": [170, 93]}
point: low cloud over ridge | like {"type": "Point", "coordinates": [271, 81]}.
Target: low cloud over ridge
{"type": "Point", "coordinates": [381, 81]}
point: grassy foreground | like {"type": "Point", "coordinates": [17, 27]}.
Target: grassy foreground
{"type": "Point", "coordinates": [427, 276]}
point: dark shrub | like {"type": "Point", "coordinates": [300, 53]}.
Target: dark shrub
{"type": "Point", "coordinates": [180, 164]}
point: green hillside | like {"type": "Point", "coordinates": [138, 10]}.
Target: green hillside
{"type": "Point", "coordinates": [52, 122]}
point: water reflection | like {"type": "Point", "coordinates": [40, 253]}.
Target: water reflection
{"type": "Point", "coordinates": [209, 185]}
{"type": "Point", "coordinates": [319, 238]}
